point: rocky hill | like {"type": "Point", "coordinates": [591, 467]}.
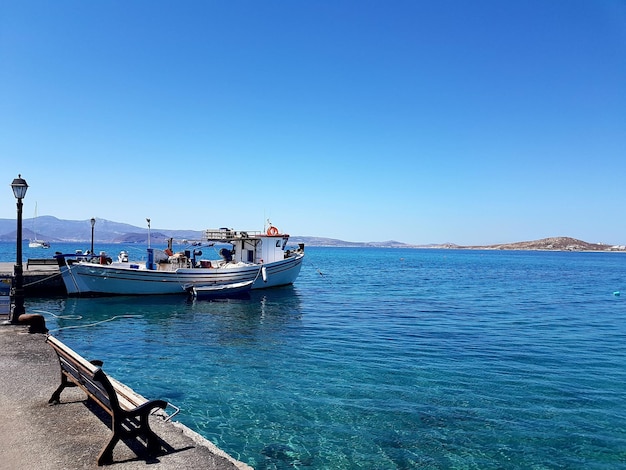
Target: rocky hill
{"type": "Point", "coordinates": [551, 244]}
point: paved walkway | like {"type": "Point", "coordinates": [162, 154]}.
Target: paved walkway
{"type": "Point", "coordinates": [34, 435]}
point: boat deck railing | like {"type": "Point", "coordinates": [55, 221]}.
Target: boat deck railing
{"type": "Point", "coordinates": [229, 234]}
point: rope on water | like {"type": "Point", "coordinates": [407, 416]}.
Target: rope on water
{"type": "Point", "coordinates": [79, 317]}
{"type": "Point", "coordinates": [63, 317]}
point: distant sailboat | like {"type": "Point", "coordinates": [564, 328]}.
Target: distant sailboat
{"type": "Point", "coordinates": [34, 242]}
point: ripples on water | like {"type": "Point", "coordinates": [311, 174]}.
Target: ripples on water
{"type": "Point", "coordinates": [387, 359]}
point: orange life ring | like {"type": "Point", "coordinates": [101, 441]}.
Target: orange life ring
{"type": "Point", "coordinates": [272, 231]}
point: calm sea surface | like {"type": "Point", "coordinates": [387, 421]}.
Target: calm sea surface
{"type": "Point", "coordinates": [383, 359]}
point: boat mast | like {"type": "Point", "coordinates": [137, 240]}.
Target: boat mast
{"type": "Point", "coordinates": [35, 223]}
{"type": "Point", "coordinates": [148, 220]}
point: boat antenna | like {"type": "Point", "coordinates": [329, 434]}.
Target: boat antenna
{"type": "Point", "coordinates": [148, 220]}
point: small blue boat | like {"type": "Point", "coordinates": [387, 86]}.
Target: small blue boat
{"type": "Point", "coordinates": [235, 289]}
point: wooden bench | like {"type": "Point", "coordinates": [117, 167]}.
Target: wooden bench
{"type": "Point", "coordinates": [41, 262]}
{"type": "Point", "coordinates": [129, 411]}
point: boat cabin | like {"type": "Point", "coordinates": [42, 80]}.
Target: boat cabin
{"type": "Point", "coordinates": [251, 247]}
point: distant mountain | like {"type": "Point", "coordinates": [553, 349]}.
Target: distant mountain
{"type": "Point", "coordinates": [51, 229]}
{"type": "Point", "coordinates": [105, 231]}
{"type": "Point", "coordinates": [320, 241]}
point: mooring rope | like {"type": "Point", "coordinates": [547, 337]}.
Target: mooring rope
{"type": "Point", "coordinates": [79, 317]}
{"type": "Point", "coordinates": [42, 280]}
{"type": "Point", "coordinates": [63, 317]}
{"type": "Point", "coordinates": [257, 274]}
{"type": "Point", "coordinates": [97, 323]}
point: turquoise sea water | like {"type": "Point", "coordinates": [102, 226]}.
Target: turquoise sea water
{"type": "Point", "coordinates": [386, 359]}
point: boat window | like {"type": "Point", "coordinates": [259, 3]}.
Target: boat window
{"type": "Point", "coordinates": [250, 256]}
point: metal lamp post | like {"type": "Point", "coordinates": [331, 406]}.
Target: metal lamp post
{"type": "Point", "coordinates": [19, 187]}
{"type": "Point", "coordinates": [93, 222]}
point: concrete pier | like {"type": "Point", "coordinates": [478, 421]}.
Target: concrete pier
{"type": "Point", "coordinates": [39, 280]}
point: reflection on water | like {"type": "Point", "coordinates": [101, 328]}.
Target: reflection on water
{"type": "Point", "coordinates": [271, 305]}
{"type": "Point", "coordinates": [127, 319]}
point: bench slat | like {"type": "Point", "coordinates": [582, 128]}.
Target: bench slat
{"type": "Point", "coordinates": [41, 262]}
{"type": "Point", "coordinates": [87, 383]}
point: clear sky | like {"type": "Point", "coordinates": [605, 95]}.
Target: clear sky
{"type": "Point", "coordinates": [472, 122]}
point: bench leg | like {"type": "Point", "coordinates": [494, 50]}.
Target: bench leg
{"type": "Point", "coordinates": [106, 454]}
{"type": "Point", "coordinates": [55, 399]}
{"type": "Point", "coordinates": [153, 444]}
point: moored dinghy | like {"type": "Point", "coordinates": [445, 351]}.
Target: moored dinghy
{"type": "Point", "coordinates": [220, 291]}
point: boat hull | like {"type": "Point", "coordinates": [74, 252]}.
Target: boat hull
{"type": "Point", "coordinates": [237, 289]}
{"type": "Point", "coordinates": [86, 278]}
{"type": "Point", "coordinates": [38, 244]}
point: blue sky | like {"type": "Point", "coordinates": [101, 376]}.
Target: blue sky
{"type": "Point", "coordinates": [472, 122]}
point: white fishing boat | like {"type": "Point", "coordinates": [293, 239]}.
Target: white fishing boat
{"type": "Point", "coordinates": [260, 257]}
{"type": "Point", "coordinates": [236, 289]}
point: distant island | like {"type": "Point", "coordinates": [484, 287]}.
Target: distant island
{"type": "Point", "coordinates": [545, 244]}
{"type": "Point", "coordinates": [54, 230]}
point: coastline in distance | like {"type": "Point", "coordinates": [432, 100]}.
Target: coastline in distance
{"type": "Point", "coordinates": [53, 230]}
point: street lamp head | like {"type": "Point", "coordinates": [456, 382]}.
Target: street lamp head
{"type": "Point", "coordinates": [19, 187]}
{"type": "Point", "coordinates": [93, 221]}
